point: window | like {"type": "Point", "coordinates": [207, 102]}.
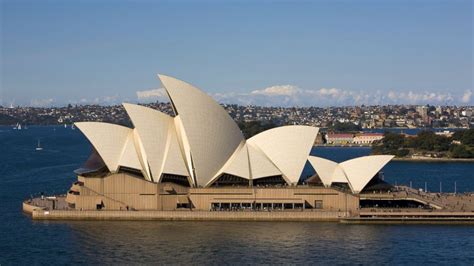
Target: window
{"type": "Point", "coordinates": [318, 204]}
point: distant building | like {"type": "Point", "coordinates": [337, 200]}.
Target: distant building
{"type": "Point", "coordinates": [423, 112]}
{"type": "Point", "coordinates": [339, 138]}
{"type": "Point", "coordinates": [367, 138]}
{"type": "Point", "coordinates": [445, 133]}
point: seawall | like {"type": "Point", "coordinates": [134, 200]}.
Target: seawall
{"type": "Point", "coordinates": [186, 215]}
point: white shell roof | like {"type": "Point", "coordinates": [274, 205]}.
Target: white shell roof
{"type": "Point", "coordinates": [184, 146]}
{"type": "Point", "coordinates": [356, 172]}
{"type": "Point", "coordinates": [260, 165]}
{"type": "Point", "coordinates": [249, 162]}
{"type": "Point", "coordinates": [212, 134]}
{"type": "Point", "coordinates": [129, 157]}
{"type": "Point", "coordinates": [360, 171]}
{"type": "Point", "coordinates": [287, 147]}
{"type": "Point", "coordinates": [237, 165]}
{"type": "Point", "coordinates": [108, 139]}
{"type": "Point", "coordinates": [202, 142]}
{"type": "Point", "coordinates": [152, 127]}
{"type": "Point", "coordinates": [174, 163]}
{"type": "Point", "coordinates": [324, 168]}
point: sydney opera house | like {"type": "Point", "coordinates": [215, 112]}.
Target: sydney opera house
{"type": "Point", "coordinates": [198, 159]}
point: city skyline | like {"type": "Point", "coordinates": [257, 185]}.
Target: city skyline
{"type": "Point", "coordinates": [267, 53]}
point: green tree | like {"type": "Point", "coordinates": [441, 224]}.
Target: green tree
{"type": "Point", "coordinates": [346, 127]}
{"type": "Point", "coordinates": [461, 151]}
{"type": "Point", "coordinates": [468, 137]}
{"type": "Point", "coordinates": [252, 128]}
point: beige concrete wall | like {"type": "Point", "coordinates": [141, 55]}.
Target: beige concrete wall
{"type": "Point", "coordinates": [119, 191]}
{"type": "Point", "coordinates": [190, 215]}
{"type": "Point", "coordinates": [332, 199]}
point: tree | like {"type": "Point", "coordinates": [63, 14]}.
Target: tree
{"type": "Point", "coordinates": [392, 143]}
{"type": "Point", "coordinates": [252, 128]}
{"type": "Point", "coordinates": [346, 127]}
{"type": "Point", "coordinates": [468, 137]}
{"type": "Point", "coordinates": [460, 151]}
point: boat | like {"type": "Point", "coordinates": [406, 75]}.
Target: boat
{"type": "Point", "coordinates": [17, 126]}
{"type": "Point", "coordinates": [39, 148]}
{"type": "Point", "coordinates": [65, 126]}
{"type": "Point", "coordinates": [73, 127]}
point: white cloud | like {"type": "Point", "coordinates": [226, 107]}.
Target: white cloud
{"type": "Point", "coordinates": [101, 100]}
{"type": "Point", "coordinates": [333, 92]}
{"type": "Point", "coordinates": [41, 102]}
{"type": "Point", "coordinates": [152, 95]}
{"type": "Point", "coordinates": [466, 97]}
{"type": "Point", "coordinates": [424, 97]}
{"type": "Point", "coordinates": [278, 90]}
{"type": "Point", "coordinates": [115, 99]}
{"type": "Point", "coordinates": [291, 95]}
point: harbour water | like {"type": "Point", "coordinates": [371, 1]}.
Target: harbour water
{"type": "Point", "coordinates": [25, 171]}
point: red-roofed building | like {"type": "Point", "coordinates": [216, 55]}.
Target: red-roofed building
{"type": "Point", "coordinates": [339, 138]}
{"type": "Point", "coordinates": [367, 138]}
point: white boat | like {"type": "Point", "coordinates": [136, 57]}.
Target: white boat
{"type": "Point", "coordinates": [65, 126]}
{"type": "Point", "coordinates": [73, 127]}
{"type": "Point", "coordinates": [39, 148]}
{"type": "Point", "coordinates": [17, 126]}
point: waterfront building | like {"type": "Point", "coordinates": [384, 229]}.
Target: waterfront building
{"type": "Point", "coordinates": [339, 138]}
{"type": "Point", "coordinates": [198, 159]}
{"type": "Point", "coordinates": [367, 138]}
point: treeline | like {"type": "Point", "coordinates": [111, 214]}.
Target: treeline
{"type": "Point", "coordinates": [252, 128]}
{"type": "Point", "coordinates": [427, 143]}
{"type": "Point", "coordinates": [344, 127]}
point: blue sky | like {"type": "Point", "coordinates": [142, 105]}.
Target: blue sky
{"type": "Point", "coordinates": [248, 52]}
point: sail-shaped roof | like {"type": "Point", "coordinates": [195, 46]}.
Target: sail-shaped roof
{"type": "Point", "coordinates": [212, 134]}
{"type": "Point", "coordinates": [357, 172]}
{"type": "Point", "coordinates": [324, 168]}
{"type": "Point", "coordinates": [174, 162]}
{"type": "Point", "coordinates": [129, 157]}
{"type": "Point", "coordinates": [108, 140]}
{"type": "Point", "coordinates": [360, 171]}
{"type": "Point", "coordinates": [152, 127]}
{"type": "Point", "coordinates": [260, 165]}
{"type": "Point", "coordinates": [287, 147]}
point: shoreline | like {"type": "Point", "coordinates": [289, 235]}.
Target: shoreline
{"type": "Point", "coordinates": [428, 159]}
{"type": "Point", "coordinates": [341, 146]}
{"type": "Point", "coordinates": [420, 217]}
{"type": "Point", "coordinates": [401, 159]}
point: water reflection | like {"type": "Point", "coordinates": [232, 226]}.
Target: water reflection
{"type": "Point", "coordinates": [251, 242]}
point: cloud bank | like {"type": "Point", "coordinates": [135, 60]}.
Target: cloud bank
{"type": "Point", "coordinates": [291, 95]}
{"type": "Point", "coordinates": [42, 102]}
{"type": "Point", "coordinates": [152, 95]}
{"type": "Point", "coordinates": [466, 97]}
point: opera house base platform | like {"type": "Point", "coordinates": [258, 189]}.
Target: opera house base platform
{"type": "Point", "coordinates": [125, 197]}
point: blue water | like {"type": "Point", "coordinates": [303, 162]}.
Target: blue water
{"type": "Point", "coordinates": [24, 171]}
